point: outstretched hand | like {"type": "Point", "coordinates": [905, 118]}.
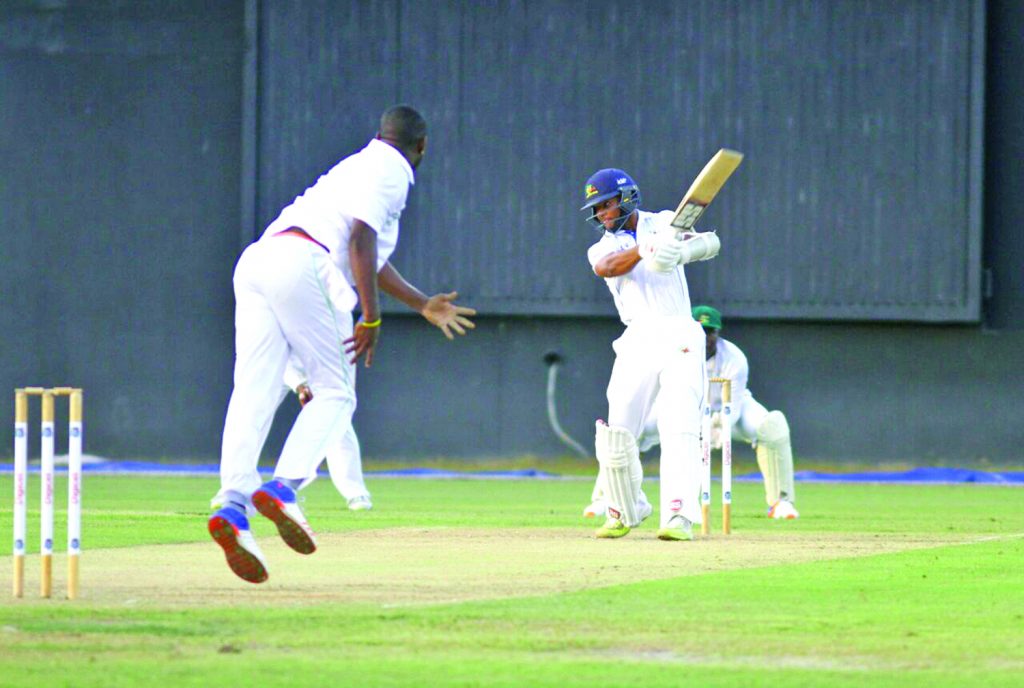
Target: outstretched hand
{"type": "Point", "coordinates": [441, 311]}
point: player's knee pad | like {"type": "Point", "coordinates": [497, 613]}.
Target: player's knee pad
{"type": "Point", "coordinates": [774, 430]}
{"type": "Point", "coordinates": [775, 457]}
{"type": "Point", "coordinates": [615, 446]}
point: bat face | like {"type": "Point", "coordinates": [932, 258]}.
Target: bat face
{"type": "Point", "coordinates": [704, 188]}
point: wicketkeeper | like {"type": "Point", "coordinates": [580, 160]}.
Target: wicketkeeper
{"type": "Point", "coordinates": [767, 431]}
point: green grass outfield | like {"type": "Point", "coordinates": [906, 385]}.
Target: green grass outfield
{"type": "Point", "coordinates": [499, 583]}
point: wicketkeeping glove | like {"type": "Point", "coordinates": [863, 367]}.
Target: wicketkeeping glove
{"type": "Point", "coordinates": [716, 430]}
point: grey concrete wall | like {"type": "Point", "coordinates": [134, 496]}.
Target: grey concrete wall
{"type": "Point", "coordinates": [119, 214]}
{"type": "Point", "coordinates": [859, 122]}
{"type": "Point", "coordinates": [917, 393]}
{"type": "Point", "coordinates": [1004, 166]}
{"type": "Point", "coordinates": [120, 206]}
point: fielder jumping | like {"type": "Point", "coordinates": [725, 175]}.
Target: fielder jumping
{"type": "Point", "coordinates": [658, 359]}
{"type": "Point", "coordinates": [295, 290]}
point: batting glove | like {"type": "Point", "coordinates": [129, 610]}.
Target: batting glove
{"type": "Point", "coordinates": [661, 251]}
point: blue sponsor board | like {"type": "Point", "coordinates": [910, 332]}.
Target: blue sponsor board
{"type": "Point", "coordinates": [916, 475]}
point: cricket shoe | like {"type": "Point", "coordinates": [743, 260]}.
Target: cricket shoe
{"type": "Point", "coordinates": [612, 528]}
{"type": "Point", "coordinates": [783, 509]}
{"type": "Point", "coordinates": [677, 528]}
{"type": "Point", "coordinates": [276, 501]}
{"type": "Point", "coordinates": [360, 503]}
{"type": "Point", "coordinates": [230, 529]}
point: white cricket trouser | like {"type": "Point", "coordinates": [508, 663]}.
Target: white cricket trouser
{"type": "Point", "coordinates": [289, 299]}
{"type": "Point", "coordinates": [345, 464]}
{"type": "Point", "coordinates": [661, 360]}
{"type": "Point", "coordinates": [749, 416]}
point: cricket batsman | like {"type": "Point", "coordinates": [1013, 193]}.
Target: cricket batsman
{"type": "Point", "coordinates": [658, 359]}
{"type": "Point", "coordinates": [767, 431]}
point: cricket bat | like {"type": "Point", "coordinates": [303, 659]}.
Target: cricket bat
{"type": "Point", "coordinates": [704, 188]}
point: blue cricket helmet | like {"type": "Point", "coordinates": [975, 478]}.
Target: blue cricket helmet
{"type": "Point", "coordinates": [609, 183]}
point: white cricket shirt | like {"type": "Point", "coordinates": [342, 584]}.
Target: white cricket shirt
{"type": "Point", "coordinates": [729, 362]}
{"type": "Point", "coordinates": [371, 185]}
{"type": "Point", "coordinates": [641, 292]}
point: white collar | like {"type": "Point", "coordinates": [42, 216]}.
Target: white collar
{"type": "Point", "coordinates": [388, 149]}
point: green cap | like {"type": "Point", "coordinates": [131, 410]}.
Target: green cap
{"type": "Point", "coordinates": [708, 317]}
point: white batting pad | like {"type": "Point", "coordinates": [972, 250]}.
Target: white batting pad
{"type": "Point", "coordinates": [622, 473]}
{"type": "Point", "coordinates": [597, 494]}
{"type": "Point", "coordinates": [775, 457]}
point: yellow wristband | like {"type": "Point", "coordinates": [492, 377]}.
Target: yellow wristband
{"type": "Point", "coordinates": [375, 323]}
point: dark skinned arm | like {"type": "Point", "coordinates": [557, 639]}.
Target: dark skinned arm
{"type": "Point", "coordinates": [362, 257]}
{"type": "Point", "coordinates": [392, 282]}
{"type": "Point", "coordinates": [439, 309]}
{"type": "Point", "coordinates": [618, 263]}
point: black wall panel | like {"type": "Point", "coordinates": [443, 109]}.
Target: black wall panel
{"type": "Point", "coordinates": [119, 209]}
{"type": "Point", "coordinates": [130, 130]}
{"type": "Point", "coordinates": [859, 197]}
